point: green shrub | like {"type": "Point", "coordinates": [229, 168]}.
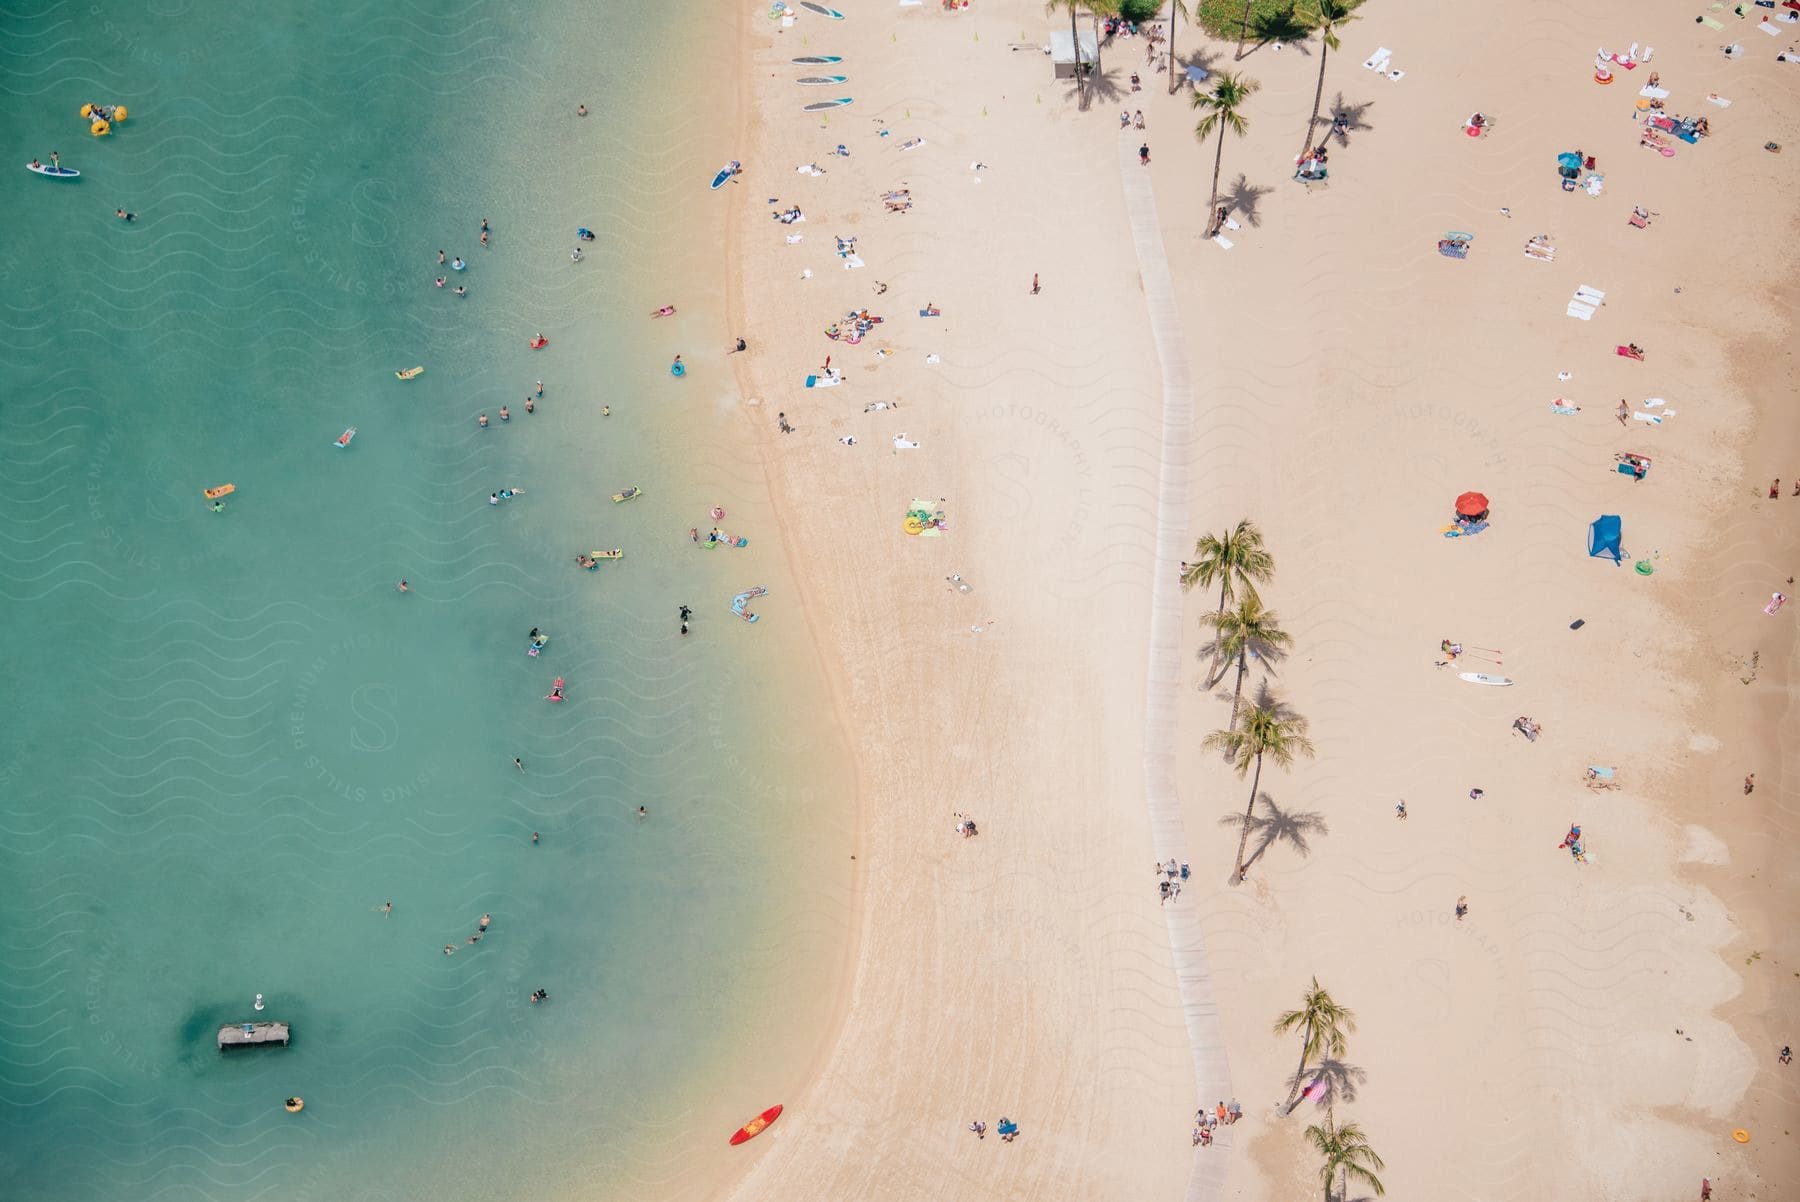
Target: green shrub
{"type": "Point", "coordinates": [1223, 18]}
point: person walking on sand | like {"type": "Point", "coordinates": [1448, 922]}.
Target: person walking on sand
{"type": "Point", "coordinates": [1624, 412]}
{"type": "Point", "coordinates": [1775, 489]}
{"type": "Point", "coordinates": [1462, 907]}
{"type": "Point", "coordinates": [979, 1128]}
{"type": "Point", "coordinates": [1144, 155]}
{"type": "Point", "coordinates": [782, 421]}
{"type": "Point", "coordinates": [1034, 283]}
{"type": "Point", "coordinates": [1705, 1189]}
{"type": "Point", "coordinates": [1749, 784]}
{"type": "Point", "coordinates": [1400, 810]}
{"type": "Point", "coordinates": [1787, 1055]}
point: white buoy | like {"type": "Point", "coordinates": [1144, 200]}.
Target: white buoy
{"type": "Point", "coordinates": [259, 1001]}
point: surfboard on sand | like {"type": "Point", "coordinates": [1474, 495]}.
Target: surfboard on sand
{"type": "Point", "coordinates": [819, 106]}
{"type": "Point", "coordinates": [725, 173]}
{"type": "Point", "coordinates": [832, 13]}
{"type": "Point", "coordinates": [1484, 678]}
{"type": "Point", "coordinates": [816, 80]}
{"type": "Point", "coordinates": [817, 60]}
{"type": "Point", "coordinates": [754, 1127]}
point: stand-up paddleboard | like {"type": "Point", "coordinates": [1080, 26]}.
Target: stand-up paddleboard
{"type": "Point", "coordinates": [740, 605]}
{"type": "Point", "coordinates": [627, 494]}
{"type": "Point", "coordinates": [1484, 678]}
{"type": "Point", "coordinates": [725, 173]}
{"type": "Point", "coordinates": [817, 60]}
{"type": "Point", "coordinates": [52, 172]}
{"type": "Point", "coordinates": [343, 440]}
{"type": "Point", "coordinates": [814, 81]}
{"type": "Point", "coordinates": [411, 373]}
{"type": "Point", "coordinates": [754, 1127]}
{"type": "Point", "coordinates": [832, 13]}
{"type": "Point", "coordinates": [819, 106]}
{"type": "Point", "coordinates": [217, 491]}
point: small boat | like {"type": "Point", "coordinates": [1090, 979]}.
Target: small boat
{"type": "Point", "coordinates": [411, 373]}
{"type": "Point", "coordinates": [629, 494]}
{"type": "Point", "coordinates": [815, 80]}
{"type": "Point", "coordinates": [725, 173]}
{"type": "Point", "coordinates": [755, 1126]}
{"type": "Point", "coordinates": [52, 172]}
{"type": "Point", "coordinates": [1484, 678]}
{"type": "Point", "coordinates": [832, 13]}
{"type": "Point", "coordinates": [819, 106]}
{"type": "Point", "coordinates": [222, 490]}
{"type": "Point", "coordinates": [817, 60]}
{"type": "Point", "coordinates": [343, 440]}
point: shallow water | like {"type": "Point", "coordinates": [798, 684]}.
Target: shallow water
{"type": "Point", "coordinates": [229, 737]}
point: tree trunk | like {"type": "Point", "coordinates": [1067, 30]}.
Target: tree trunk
{"type": "Point", "coordinates": [1212, 228]}
{"type": "Point", "coordinates": [1318, 95]}
{"type": "Point", "coordinates": [1243, 666]}
{"type": "Point", "coordinates": [1243, 32]}
{"type": "Point", "coordinates": [1097, 47]}
{"type": "Point", "coordinates": [1299, 1072]}
{"type": "Point", "coordinates": [1224, 579]}
{"type": "Point", "coordinates": [1171, 47]}
{"type": "Point", "coordinates": [1244, 839]}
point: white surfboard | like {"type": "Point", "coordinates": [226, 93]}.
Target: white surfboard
{"type": "Point", "coordinates": [1484, 678]}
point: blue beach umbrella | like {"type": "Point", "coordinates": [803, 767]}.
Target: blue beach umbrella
{"type": "Point", "coordinates": [1605, 536]}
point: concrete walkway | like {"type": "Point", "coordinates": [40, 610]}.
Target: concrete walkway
{"type": "Point", "coordinates": [1206, 1037]}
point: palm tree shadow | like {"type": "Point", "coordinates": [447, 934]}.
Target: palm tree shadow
{"type": "Point", "coordinates": [1354, 115]}
{"type": "Point", "coordinates": [1340, 1079]}
{"type": "Point", "coordinates": [1285, 27]}
{"type": "Point", "coordinates": [1242, 199]}
{"type": "Point", "coordinates": [1276, 825]}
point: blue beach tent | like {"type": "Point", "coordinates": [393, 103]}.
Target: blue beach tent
{"type": "Point", "coordinates": [1605, 535]}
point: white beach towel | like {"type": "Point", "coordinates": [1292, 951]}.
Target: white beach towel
{"type": "Point", "coordinates": [1643, 56]}
{"type": "Point", "coordinates": [1565, 375]}
{"type": "Point", "coordinates": [1653, 93]}
{"type": "Point", "coordinates": [933, 359]}
{"type": "Point", "coordinates": [1654, 419]}
{"type": "Point", "coordinates": [1588, 292]}
{"type": "Point", "coordinates": [1231, 224]}
{"type": "Point", "coordinates": [1584, 312]}
{"type": "Point", "coordinates": [1222, 240]}
{"type": "Point", "coordinates": [793, 238]}
{"type": "Point", "coordinates": [1652, 402]}
{"type": "Point", "coordinates": [1396, 76]}
{"type": "Point", "coordinates": [1715, 98]}
{"type": "Point", "coordinates": [806, 273]}
{"type": "Point", "coordinates": [1379, 60]}
{"type": "Point", "coordinates": [852, 262]}
{"type": "Point", "coordinates": [1595, 185]}
{"type": "Point", "coordinates": [1769, 29]}
{"type": "Point", "coordinates": [912, 144]}
{"type": "Point", "coordinates": [902, 443]}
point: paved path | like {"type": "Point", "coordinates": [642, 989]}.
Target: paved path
{"type": "Point", "coordinates": [1206, 1037]}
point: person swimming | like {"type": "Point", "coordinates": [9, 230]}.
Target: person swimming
{"type": "Point", "coordinates": [457, 263]}
{"type": "Point", "coordinates": [122, 215]}
{"type": "Point", "coordinates": [461, 291]}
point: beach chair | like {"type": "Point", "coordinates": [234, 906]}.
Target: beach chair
{"type": "Point", "coordinates": [1639, 220]}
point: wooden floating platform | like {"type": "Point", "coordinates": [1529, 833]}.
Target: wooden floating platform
{"type": "Point", "coordinates": [243, 1035]}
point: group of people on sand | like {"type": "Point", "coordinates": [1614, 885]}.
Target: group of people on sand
{"type": "Point", "coordinates": [1206, 1121]}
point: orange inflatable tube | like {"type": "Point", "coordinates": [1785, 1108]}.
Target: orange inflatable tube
{"type": "Point", "coordinates": [223, 490]}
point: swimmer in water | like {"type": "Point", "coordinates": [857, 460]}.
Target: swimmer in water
{"type": "Point", "coordinates": [449, 950]}
{"type": "Point", "coordinates": [518, 763]}
{"type": "Point", "coordinates": [505, 414]}
{"type": "Point", "coordinates": [606, 411]}
{"type": "Point", "coordinates": [643, 813]}
{"type": "Point", "coordinates": [534, 836]}
{"type": "Point", "coordinates": [581, 110]}
{"type": "Point", "coordinates": [481, 420]}
{"type": "Point", "coordinates": [440, 258]}
{"type": "Point", "coordinates": [457, 263]}
{"type": "Point", "coordinates": [386, 908]}
{"type": "Point", "coordinates": [485, 920]}
{"type": "Point", "coordinates": [461, 291]}
{"type": "Point", "coordinates": [404, 587]}
{"type": "Point", "coordinates": [122, 215]}
{"type": "Point", "coordinates": [484, 237]}
{"type": "Point", "coordinates": [529, 406]}
{"type": "Point", "coordinates": [540, 388]}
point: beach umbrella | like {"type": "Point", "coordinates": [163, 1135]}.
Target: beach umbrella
{"type": "Point", "coordinates": [1471, 505]}
{"type": "Point", "coordinates": [1606, 536]}
{"type": "Point", "coordinates": [1569, 159]}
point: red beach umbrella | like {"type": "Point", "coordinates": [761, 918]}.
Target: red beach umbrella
{"type": "Point", "coordinates": [1471, 505]}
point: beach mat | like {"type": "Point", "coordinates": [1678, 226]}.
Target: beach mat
{"type": "Point", "coordinates": [1710, 23]}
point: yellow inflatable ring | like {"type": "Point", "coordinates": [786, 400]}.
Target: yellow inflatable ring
{"type": "Point", "coordinates": [1741, 1135]}
{"type": "Point", "coordinates": [295, 1105]}
{"type": "Point", "coordinates": [118, 113]}
{"type": "Point", "coordinates": [87, 110]}
{"type": "Point", "coordinates": [101, 129]}
{"type": "Point", "coordinates": [914, 525]}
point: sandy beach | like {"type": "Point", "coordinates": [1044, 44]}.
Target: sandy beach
{"type": "Point", "coordinates": [1592, 1029]}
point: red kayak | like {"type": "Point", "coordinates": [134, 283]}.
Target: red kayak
{"type": "Point", "coordinates": [539, 343]}
{"type": "Point", "coordinates": [754, 1127]}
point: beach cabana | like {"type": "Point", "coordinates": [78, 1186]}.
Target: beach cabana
{"type": "Point", "coordinates": [1062, 51]}
{"type": "Point", "coordinates": [1605, 536]}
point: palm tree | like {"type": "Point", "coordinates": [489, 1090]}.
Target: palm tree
{"type": "Point", "coordinates": [1322, 1024]}
{"type": "Point", "coordinates": [1347, 1156]}
{"type": "Point", "coordinates": [1239, 633]}
{"type": "Point", "coordinates": [1243, 32]}
{"type": "Point", "coordinates": [1326, 16]}
{"type": "Point", "coordinates": [1074, 6]}
{"type": "Point", "coordinates": [1237, 561]}
{"type": "Point", "coordinates": [1223, 107]}
{"type": "Point", "coordinates": [1266, 731]}
{"type": "Point", "coordinates": [1175, 6]}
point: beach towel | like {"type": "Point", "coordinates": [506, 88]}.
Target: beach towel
{"type": "Point", "coordinates": [1655, 419]}
{"type": "Point", "coordinates": [1558, 406]}
{"type": "Point", "coordinates": [793, 238]}
{"type": "Point", "coordinates": [1776, 601]}
{"type": "Point", "coordinates": [1654, 93]}
{"type": "Point", "coordinates": [902, 443]}
{"type": "Point", "coordinates": [1396, 76]}
{"type": "Point", "coordinates": [1590, 294]}
{"type": "Point", "coordinates": [933, 359]}
{"type": "Point", "coordinates": [928, 313]}
{"type": "Point", "coordinates": [1769, 29]}
{"type": "Point", "coordinates": [1378, 61]}
{"type": "Point", "coordinates": [1223, 241]}
{"type": "Point", "coordinates": [1584, 312]}
{"type": "Point", "coordinates": [852, 262]}
{"type": "Point", "coordinates": [1595, 184]}
{"type": "Point", "coordinates": [1710, 23]}
{"type": "Point", "coordinates": [809, 169]}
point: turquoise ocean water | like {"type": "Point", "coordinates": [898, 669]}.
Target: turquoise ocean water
{"type": "Point", "coordinates": [228, 739]}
